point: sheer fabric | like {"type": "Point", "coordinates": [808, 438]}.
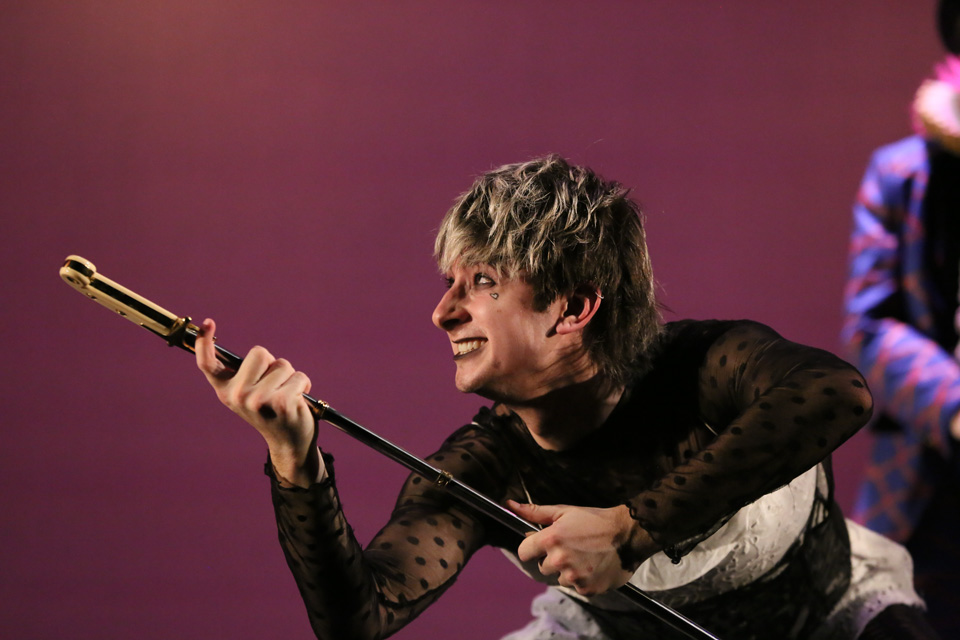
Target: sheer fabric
{"type": "Point", "coordinates": [724, 413]}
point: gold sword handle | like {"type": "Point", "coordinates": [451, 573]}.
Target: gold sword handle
{"type": "Point", "coordinates": [81, 274]}
{"type": "Point", "coordinates": [177, 331]}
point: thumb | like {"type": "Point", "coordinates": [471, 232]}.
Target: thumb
{"type": "Point", "coordinates": [536, 513]}
{"type": "Point", "coordinates": [206, 354]}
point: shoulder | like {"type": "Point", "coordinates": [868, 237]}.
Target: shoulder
{"type": "Point", "coordinates": [901, 159]}
{"type": "Point", "coordinates": [686, 334]}
{"type": "Point", "coordinates": [684, 345]}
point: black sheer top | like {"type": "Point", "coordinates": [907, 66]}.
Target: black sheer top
{"type": "Point", "coordinates": [726, 412]}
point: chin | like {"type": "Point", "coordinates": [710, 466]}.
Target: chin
{"type": "Point", "coordinates": [468, 386]}
{"type": "Point", "coordinates": [486, 392]}
{"type": "Point", "coordinates": [474, 386]}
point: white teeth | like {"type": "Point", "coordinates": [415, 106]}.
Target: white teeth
{"type": "Point", "coordinates": [468, 346]}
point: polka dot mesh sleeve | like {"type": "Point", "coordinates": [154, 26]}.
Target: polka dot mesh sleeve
{"type": "Point", "coordinates": [354, 593]}
{"type": "Point", "coordinates": [727, 412]}
{"type": "Point", "coordinates": [776, 407]}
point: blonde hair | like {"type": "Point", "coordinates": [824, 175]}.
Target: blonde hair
{"type": "Point", "coordinates": [561, 226]}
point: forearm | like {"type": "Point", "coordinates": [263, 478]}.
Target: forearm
{"type": "Point", "coordinates": [350, 592]}
{"type": "Point", "coordinates": [915, 380]}
{"type": "Point", "coordinates": [322, 554]}
{"type": "Point", "coordinates": [777, 409]}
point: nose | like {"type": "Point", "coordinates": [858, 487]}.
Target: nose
{"type": "Point", "coordinates": [450, 310]}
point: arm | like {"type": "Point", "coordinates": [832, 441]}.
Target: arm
{"type": "Point", "coordinates": [777, 407]}
{"type": "Point", "coordinates": [915, 379]}
{"type": "Point", "coordinates": [350, 592]}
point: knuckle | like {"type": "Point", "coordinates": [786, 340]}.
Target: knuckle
{"type": "Point", "coordinates": [232, 397]}
{"type": "Point", "coordinates": [290, 405]}
{"type": "Point", "coordinates": [260, 354]}
{"type": "Point", "coordinates": [549, 538]}
{"type": "Point", "coordinates": [560, 558]}
{"type": "Point", "coordinates": [250, 401]}
{"type": "Point", "coordinates": [576, 581]}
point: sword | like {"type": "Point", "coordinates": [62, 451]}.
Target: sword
{"type": "Point", "coordinates": [179, 331]}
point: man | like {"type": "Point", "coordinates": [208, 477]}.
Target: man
{"type": "Point", "coordinates": [901, 328]}
{"type": "Point", "coordinates": [656, 454]}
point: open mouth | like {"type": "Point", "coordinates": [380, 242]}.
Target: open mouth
{"type": "Point", "coordinates": [467, 347]}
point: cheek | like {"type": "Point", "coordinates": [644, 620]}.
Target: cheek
{"type": "Point", "coordinates": [527, 341]}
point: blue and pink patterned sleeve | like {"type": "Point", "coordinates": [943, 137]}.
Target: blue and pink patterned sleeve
{"type": "Point", "coordinates": [888, 326]}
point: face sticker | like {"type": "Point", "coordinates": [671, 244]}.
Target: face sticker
{"type": "Point", "coordinates": [494, 295]}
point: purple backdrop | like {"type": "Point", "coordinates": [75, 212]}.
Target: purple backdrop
{"type": "Point", "coordinates": [282, 166]}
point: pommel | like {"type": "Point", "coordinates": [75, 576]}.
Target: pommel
{"type": "Point", "coordinates": [77, 272]}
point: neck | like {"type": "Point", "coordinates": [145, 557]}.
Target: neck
{"type": "Point", "coordinates": [560, 418]}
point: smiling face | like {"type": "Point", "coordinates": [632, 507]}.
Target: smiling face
{"type": "Point", "coordinates": [503, 347]}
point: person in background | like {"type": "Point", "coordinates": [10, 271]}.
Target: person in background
{"type": "Point", "coordinates": [902, 330]}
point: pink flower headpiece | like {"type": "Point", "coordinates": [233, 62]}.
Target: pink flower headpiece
{"type": "Point", "coordinates": [936, 107]}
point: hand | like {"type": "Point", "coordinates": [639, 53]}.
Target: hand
{"type": "Point", "coordinates": [578, 543]}
{"type": "Point", "coordinates": [955, 427]}
{"type": "Point", "coordinates": [268, 393]}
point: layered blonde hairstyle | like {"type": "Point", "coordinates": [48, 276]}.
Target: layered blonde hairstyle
{"type": "Point", "coordinates": [561, 227]}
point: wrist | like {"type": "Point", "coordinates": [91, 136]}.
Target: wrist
{"type": "Point", "coordinates": [295, 469]}
{"type": "Point", "coordinates": [636, 544]}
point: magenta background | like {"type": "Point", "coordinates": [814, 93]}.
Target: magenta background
{"type": "Point", "coordinates": [281, 166]}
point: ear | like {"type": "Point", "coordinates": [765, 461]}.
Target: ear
{"type": "Point", "coordinates": [581, 306]}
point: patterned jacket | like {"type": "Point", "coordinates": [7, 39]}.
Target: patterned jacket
{"type": "Point", "coordinates": [893, 312]}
